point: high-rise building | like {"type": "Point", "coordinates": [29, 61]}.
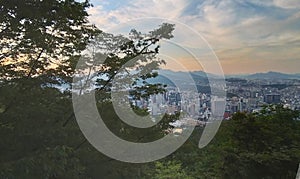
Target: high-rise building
{"type": "Point", "coordinates": [272, 98]}
{"type": "Point", "coordinates": [218, 107]}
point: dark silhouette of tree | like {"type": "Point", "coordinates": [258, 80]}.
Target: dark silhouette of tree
{"type": "Point", "coordinates": [42, 37]}
{"type": "Point", "coordinates": [41, 43]}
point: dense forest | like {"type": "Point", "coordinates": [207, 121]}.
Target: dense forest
{"type": "Point", "coordinates": [41, 43]}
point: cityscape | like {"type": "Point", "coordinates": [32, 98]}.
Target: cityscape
{"type": "Point", "coordinates": [243, 95]}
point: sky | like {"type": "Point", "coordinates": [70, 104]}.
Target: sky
{"type": "Point", "coordinates": [247, 36]}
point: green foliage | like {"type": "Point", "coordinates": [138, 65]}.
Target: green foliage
{"type": "Point", "coordinates": [58, 162]}
{"type": "Point", "coordinates": [40, 46]}
{"type": "Point", "coordinates": [42, 37]}
{"type": "Point", "coordinates": [128, 61]}
{"type": "Point", "coordinates": [267, 146]}
{"type": "Point", "coordinates": [169, 170]}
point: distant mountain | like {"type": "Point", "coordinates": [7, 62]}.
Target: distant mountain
{"type": "Point", "coordinates": [170, 77]}
{"type": "Point", "coordinates": [202, 77]}
{"type": "Point", "coordinates": [272, 75]}
{"type": "Point", "coordinates": [184, 80]}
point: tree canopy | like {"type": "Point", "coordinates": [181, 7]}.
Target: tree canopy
{"type": "Point", "coordinates": [41, 43]}
{"type": "Point", "coordinates": [42, 37]}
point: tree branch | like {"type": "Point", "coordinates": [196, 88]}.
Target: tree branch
{"type": "Point", "coordinates": [35, 63]}
{"type": "Point", "coordinates": [113, 75]}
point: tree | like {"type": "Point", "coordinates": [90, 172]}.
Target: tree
{"type": "Point", "coordinates": [263, 145]}
{"type": "Point", "coordinates": [130, 61]}
{"type": "Point", "coordinates": [169, 170]}
{"type": "Point", "coordinates": [42, 37]}
{"type": "Point", "coordinates": [41, 42]}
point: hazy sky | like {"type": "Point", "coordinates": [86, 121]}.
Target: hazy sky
{"type": "Point", "coordinates": [248, 36]}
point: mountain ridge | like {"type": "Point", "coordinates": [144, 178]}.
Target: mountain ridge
{"type": "Point", "coordinates": [260, 75]}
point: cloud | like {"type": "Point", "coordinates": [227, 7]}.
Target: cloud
{"type": "Point", "coordinates": [105, 18]}
{"type": "Point", "coordinates": [289, 4]}
{"type": "Point", "coordinates": [237, 29]}
{"type": "Point", "coordinates": [100, 17]}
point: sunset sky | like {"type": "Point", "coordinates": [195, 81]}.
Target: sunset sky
{"type": "Point", "coordinates": [248, 36]}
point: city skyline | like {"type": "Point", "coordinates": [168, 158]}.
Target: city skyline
{"type": "Point", "coordinates": [247, 37]}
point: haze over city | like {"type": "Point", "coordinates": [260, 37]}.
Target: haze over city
{"type": "Point", "coordinates": [247, 36]}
